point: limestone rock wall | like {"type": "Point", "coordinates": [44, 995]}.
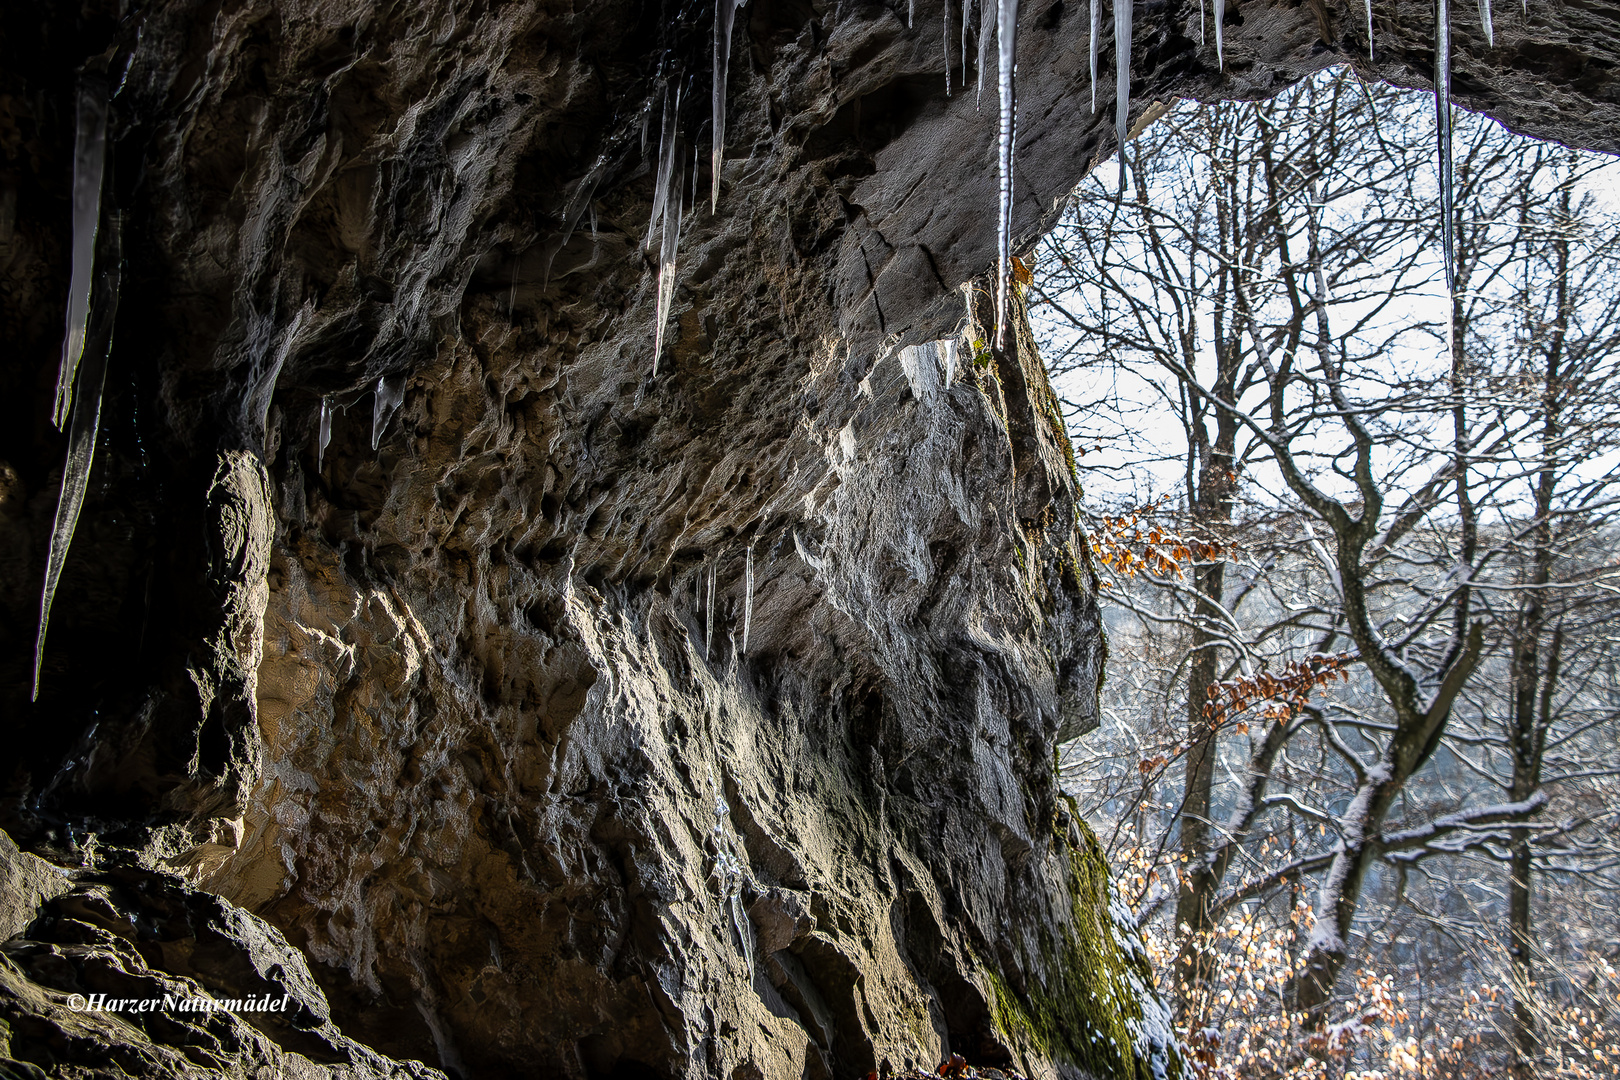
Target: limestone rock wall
{"type": "Point", "coordinates": [487, 765]}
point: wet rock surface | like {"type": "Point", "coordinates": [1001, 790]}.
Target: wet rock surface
{"type": "Point", "coordinates": [461, 705]}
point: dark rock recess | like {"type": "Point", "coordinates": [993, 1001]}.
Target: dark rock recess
{"type": "Point", "coordinates": [445, 714]}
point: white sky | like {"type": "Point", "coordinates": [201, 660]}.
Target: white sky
{"type": "Point", "coordinates": [1126, 420]}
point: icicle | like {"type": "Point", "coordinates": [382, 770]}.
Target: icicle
{"type": "Point", "coordinates": [1442, 116]}
{"type": "Point", "coordinates": [389, 394]}
{"type": "Point", "coordinates": [582, 200]}
{"type": "Point", "coordinates": [1485, 23]}
{"type": "Point", "coordinates": [1122, 73]}
{"type": "Point", "coordinates": [666, 207]}
{"type": "Point", "coordinates": [948, 353]}
{"type": "Point", "coordinates": [1201, 25]}
{"type": "Point", "coordinates": [1370, 29]}
{"type": "Point", "coordinates": [984, 51]}
{"type": "Point", "coordinates": [575, 208]}
{"type": "Point", "coordinates": [1220, 21]}
{"type": "Point", "coordinates": [1096, 47]}
{"type": "Point", "coordinates": [85, 423]}
{"type": "Point", "coordinates": [666, 269]}
{"type": "Point", "coordinates": [744, 929]}
{"type": "Point", "coordinates": [945, 40]}
{"type": "Point", "coordinates": [748, 594]}
{"type": "Point", "coordinates": [1006, 43]}
{"type": "Point", "coordinates": [89, 159]}
{"type": "Point", "coordinates": [708, 615]}
{"type": "Point", "coordinates": [911, 13]}
{"type": "Point", "coordinates": [323, 434]}
{"type": "Point", "coordinates": [725, 12]}
{"type": "Point", "coordinates": [967, 10]}
{"type": "Point", "coordinates": [666, 160]}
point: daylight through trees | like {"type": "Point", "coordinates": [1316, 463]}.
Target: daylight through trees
{"type": "Point", "coordinates": [1358, 532]}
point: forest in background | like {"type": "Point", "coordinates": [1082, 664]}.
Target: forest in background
{"type": "Point", "coordinates": [1356, 523]}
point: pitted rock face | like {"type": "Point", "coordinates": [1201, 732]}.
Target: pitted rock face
{"type": "Point", "coordinates": [499, 764]}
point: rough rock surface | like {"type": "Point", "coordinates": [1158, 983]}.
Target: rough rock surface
{"type": "Point", "coordinates": [485, 763]}
{"type": "Point", "coordinates": [131, 934]}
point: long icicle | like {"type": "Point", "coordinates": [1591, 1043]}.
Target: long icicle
{"type": "Point", "coordinates": [967, 11]}
{"type": "Point", "coordinates": [725, 12]}
{"type": "Point", "coordinates": [1007, 47]}
{"type": "Point", "coordinates": [1442, 118]}
{"type": "Point", "coordinates": [984, 49]}
{"type": "Point", "coordinates": [708, 617]}
{"type": "Point", "coordinates": [748, 595]}
{"type": "Point", "coordinates": [945, 17]}
{"type": "Point", "coordinates": [1220, 35]}
{"type": "Point", "coordinates": [1486, 24]}
{"type": "Point", "coordinates": [666, 209]}
{"type": "Point", "coordinates": [1369, 30]}
{"type": "Point", "coordinates": [670, 245]}
{"type": "Point", "coordinates": [89, 161]}
{"type": "Point", "coordinates": [84, 425]}
{"type": "Point", "coordinates": [911, 13]}
{"type": "Point", "coordinates": [1122, 76]}
{"type": "Point", "coordinates": [666, 159]}
{"type": "Point", "coordinates": [1096, 47]}
{"type": "Point", "coordinates": [1201, 23]}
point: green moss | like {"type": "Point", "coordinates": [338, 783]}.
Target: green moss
{"type": "Point", "coordinates": [1083, 1010]}
{"type": "Point", "coordinates": [1052, 409]}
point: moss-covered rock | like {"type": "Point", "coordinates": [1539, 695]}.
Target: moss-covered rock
{"type": "Point", "coordinates": [1090, 1002]}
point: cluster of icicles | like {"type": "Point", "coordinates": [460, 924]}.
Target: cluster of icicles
{"type": "Point", "coordinates": [666, 192]}
{"type": "Point", "coordinates": [704, 585]}
{"type": "Point", "coordinates": [94, 281]}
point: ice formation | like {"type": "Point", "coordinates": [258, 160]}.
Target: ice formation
{"type": "Point", "coordinates": [725, 14]}
{"type": "Point", "coordinates": [967, 11]}
{"type": "Point", "coordinates": [390, 393]}
{"type": "Point", "coordinates": [1096, 47]}
{"type": "Point", "coordinates": [748, 595]}
{"type": "Point", "coordinates": [323, 434]}
{"type": "Point", "coordinates": [666, 274]}
{"type": "Point", "coordinates": [667, 208]}
{"type": "Point", "coordinates": [708, 613]}
{"type": "Point", "coordinates": [666, 159]}
{"type": "Point", "coordinates": [1122, 72]}
{"type": "Point", "coordinates": [1220, 47]}
{"type": "Point", "coordinates": [89, 159]}
{"type": "Point", "coordinates": [84, 423]}
{"type": "Point", "coordinates": [1006, 45]}
{"type": "Point", "coordinates": [984, 51]}
{"type": "Point", "coordinates": [1442, 118]}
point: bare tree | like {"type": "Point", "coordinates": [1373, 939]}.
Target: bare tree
{"type": "Point", "coordinates": [1352, 483]}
